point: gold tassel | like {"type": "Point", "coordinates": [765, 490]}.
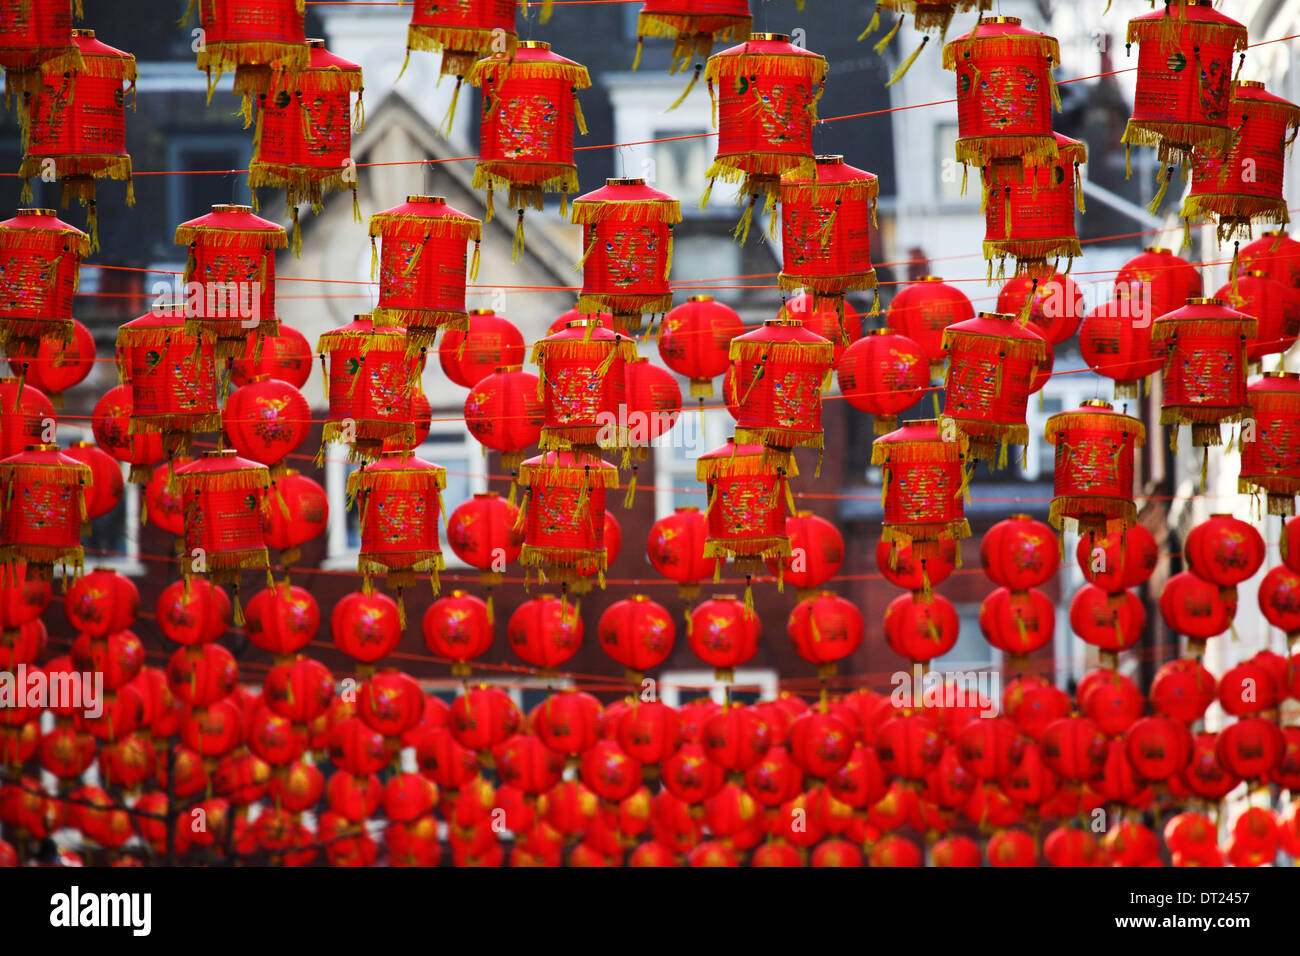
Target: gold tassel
{"type": "Point", "coordinates": [686, 92]}
{"type": "Point", "coordinates": [518, 246]}
{"type": "Point", "coordinates": [741, 232]}
{"type": "Point", "coordinates": [872, 27]}
{"type": "Point", "coordinates": [1078, 189]}
{"type": "Point", "coordinates": [884, 41]}
{"type": "Point", "coordinates": [1163, 178]}
{"type": "Point", "coordinates": [630, 495]}
{"type": "Point", "coordinates": [374, 259]}
{"type": "Point", "coordinates": [405, 64]}
{"type": "Point", "coordinates": [474, 261]}
{"type": "Point", "coordinates": [906, 65]}
{"type": "Point", "coordinates": [577, 114]}
{"type": "Point", "coordinates": [749, 593]}
{"type": "Point", "coordinates": [1056, 94]}
{"type": "Point", "coordinates": [636, 61]}
{"type": "Point", "coordinates": [704, 196]}
{"type": "Point", "coordinates": [450, 118]}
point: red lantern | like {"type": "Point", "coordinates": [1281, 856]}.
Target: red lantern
{"type": "Point", "coordinates": [1019, 553]}
{"type": "Point", "coordinates": [1269, 303]}
{"type": "Point", "coordinates": [105, 488]}
{"type": "Point", "coordinates": [834, 319]}
{"type": "Point", "coordinates": [745, 518]}
{"type": "Point", "coordinates": [25, 416]}
{"type": "Point", "coordinates": [303, 139]}
{"type": "Point", "coordinates": [193, 612]}
{"type": "Point", "coordinates": [924, 480]}
{"type": "Point", "coordinates": [370, 384]}
{"type": "Point", "coordinates": [583, 384]}
{"type": "Point", "coordinates": [677, 548]}
{"type": "Point", "coordinates": [464, 32]}
{"type": "Point", "coordinates": [1052, 304]}
{"type": "Point", "coordinates": [1270, 464]}
{"type": "Point", "coordinates": [36, 37]}
{"type": "Point", "coordinates": [491, 343]}
{"type": "Point", "coordinates": [1250, 748]}
{"type": "Point", "coordinates": [173, 377]}
{"type": "Point", "coordinates": [40, 262]}
{"type": "Point", "coordinates": [297, 512]}
{"type": "Point", "coordinates": [1115, 340]}
{"type": "Point", "coordinates": [1182, 689]}
{"type": "Point", "coordinates": [224, 498]}
{"type": "Point", "coordinates": [483, 717]}
{"type": "Point", "coordinates": [422, 267]}
{"type": "Point", "coordinates": [1029, 209]}
{"type": "Point", "coordinates": [637, 633]}
{"type": "Point", "coordinates": [883, 374]}
{"type": "Point", "coordinates": [483, 532]}
{"type": "Point", "coordinates": [1119, 560]}
{"type": "Point", "coordinates": [780, 369]}
{"type": "Point", "coordinates": [545, 632]}
{"type": "Point", "coordinates": [1194, 607]}
{"type": "Point", "coordinates": [530, 106]}
{"type": "Point", "coordinates": [923, 310]}
{"type": "Point", "coordinates": [1279, 600]}
{"type": "Point", "coordinates": [21, 601]}
{"type": "Point", "coordinates": [78, 123]}
{"type": "Point", "coordinates": [902, 569]}
{"type": "Point", "coordinates": [458, 627]}
{"type": "Point", "coordinates": [693, 27]}
{"type": "Point", "coordinates": [724, 633]}
{"type": "Point", "coordinates": [825, 629]}
{"type": "Point", "coordinates": [250, 37]}
{"type": "Point", "coordinates": [366, 627]}
{"type": "Point", "coordinates": [1005, 92]}
{"type": "Point", "coordinates": [1261, 125]}
{"type": "Point", "coordinates": [1107, 622]}
{"type": "Point", "coordinates": [563, 518]}
{"type": "Point", "coordinates": [399, 499]}
{"type": "Point", "coordinates": [1018, 622]}
{"type": "Point", "coordinates": [765, 94]}
{"type": "Point", "coordinates": [816, 553]}
{"type": "Point", "coordinates": [1277, 255]}
{"type": "Point", "coordinates": [627, 242]}
{"type": "Point", "coordinates": [737, 737]}
{"type": "Point", "coordinates": [567, 721]}
{"type": "Point", "coordinates": [991, 363]}
{"type": "Point", "coordinates": [1093, 478]}
{"type": "Point", "coordinates": [503, 412]}
{"type": "Point", "coordinates": [1183, 81]}
{"type": "Point", "coordinates": [230, 276]}
{"type": "Point", "coordinates": [102, 602]}
{"type": "Point", "coordinates": [1224, 550]}
{"type": "Point", "coordinates": [285, 355]}
{"type": "Point", "coordinates": [266, 419]}
{"type": "Point", "coordinates": [282, 620]}
{"type": "Point", "coordinates": [826, 221]}
{"type": "Point", "coordinates": [920, 628]}
{"type": "Point", "coordinates": [653, 405]}
{"type": "Point", "coordinates": [43, 508]}
{"type": "Point", "coordinates": [694, 339]}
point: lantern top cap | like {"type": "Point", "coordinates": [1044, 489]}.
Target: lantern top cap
{"type": "Point", "coordinates": [486, 494]}
{"type": "Point", "coordinates": [680, 509]}
{"type": "Point", "coordinates": [534, 45]}
{"type": "Point", "coordinates": [829, 159]}
{"type": "Point", "coordinates": [1250, 84]}
{"type": "Point", "coordinates": [482, 312]}
{"type": "Point", "coordinates": [774, 37]}
{"type": "Point", "coordinates": [88, 34]}
{"type": "Point", "coordinates": [42, 446]}
{"type": "Point", "coordinates": [316, 43]}
{"type": "Point", "coordinates": [1158, 250]}
{"type": "Point", "coordinates": [36, 212]}
{"type": "Point", "coordinates": [921, 421]}
{"type": "Point", "coordinates": [1282, 374]}
{"type": "Point", "coordinates": [700, 298]}
{"type": "Point", "coordinates": [507, 368]}
{"type": "Point", "coordinates": [725, 597]}
{"type": "Point", "coordinates": [434, 199]}
{"type": "Point", "coordinates": [1012, 21]}
{"type": "Point", "coordinates": [1256, 272]}
{"type": "Point", "coordinates": [231, 208]}
{"type": "Point", "coordinates": [1096, 403]}
{"type": "Point", "coordinates": [362, 316]}
{"type": "Point", "coordinates": [885, 331]}
{"type": "Point", "coordinates": [220, 453]}
{"type": "Point", "coordinates": [625, 181]}
{"type": "Point", "coordinates": [640, 598]}
{"type": "Point", "coordinates": [1203, 300]}
{"type": "Point", "coordinates": [930, 279]}
{"type": "Point", "coordinates": [1021, 516]}
{"type": "Point", "coordinates": [999, 316]}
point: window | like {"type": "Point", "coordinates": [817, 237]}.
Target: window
{"type": "Point", "coordinates": [678, 165]}
{"type": "Point", "coordinates": [192, 196]}
{"type": "Point", "coordinates": [678, 687]}
{"type": "Point", "coordinates": [449, 445]}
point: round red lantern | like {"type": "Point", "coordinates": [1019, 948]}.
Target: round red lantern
{"type": "Point", "coordinates": [266, 419]}
{"type": "Point", "coordinates": [1115, 341]}
{"type": "Point", "coordinates": [303, 139]}
{"type": "Point", "coordinates": [42, 511]}
{"type": "Point", "coordinates": [1194, 607]}
{"type": "Point", "coordinates": [724, 633]}
{"type": "Point", "coordinates": [484, 345]}
{"type": "Point", "coordinates": [1029, 209]}
{"type": "Point", "coordinates": [677, 546]}
{"type": "Point", "coordinates": [503, 412]}
{"type": "Point", "coordinates": [101, 602]}
{"type": "Point", "coordinates": [816, 553]}
{"type": "Point", "coordinates": [172, 374]}
{"type": "Point", "coordinates": [1108, 622]}
{"type": "Point", "coordinates": [285, 355]}
{"type": "Point", "coordinates": [422, 267]}
{"type": "Point", "coordinates": [545, 632]}
{"type": "Point", "coordinates": [399, 499]}
{"type": "Point", "coordinates": [78, 124]}
{"type": "Point", "coordinates": [40, 264]}
{"type": "Point", "coordinates": [902, 569]}
{"type": "Point", "coordinates": [224, 499]}
{"type": "Point", "coordinates": [991, 363]}
{"type": "Point", "coordinates": [1224, 550]}
{"type": "Point", "coordinates": [563, 518]}
{"type": "Point", "coordinates": [1052, 304]}
{"type": "Point", "coordinates": [637, 633]}
{"type": "Point", "coordinates": [192, 612]}
{"type": "Point", "coordinates": [653, 405]}
{"type": "Point", "coordinates": [923, 310]}
{"type": "Point", "coordinates": [1118, 560]}
{"type": "Point", "coordinates": [1269, 302]}
{"type": "Point", "coordinates": [920, 627]}
{"type": "Point", "coordinates": [826, 221]}
{"type": "Point", "coordinates": [282, 620]}
{"type": "Point", "coordinates": [780, 369]}
{"type": "Point", "coordinates": [883, 373]}
{"type": "Point", "coordinates": [530, 107]}
{"type": "Point", "coordinates": [366, 627]}
{"type": "Point", "coordinates": [297, 512]}
{"type": "Point", "coordinates": [484, 533]}
{"type": "Point", "coordinates": [1250, 748]}
{"type": "Point", "coordinates": [1182, 689]}
{"type": "Point", "coordinates": [26, 414]}
{"type": "Point", "coordinates": [105, 488]}
{"type": "Point", "coordinates": [1270, 463]}
{"type": "Point", "coordinates": [765, 94]}
{"type": "Point", "coordinates": [1019, 553]}
{"type": "Point", "coordinates": [57, 366]}
{"type": "Point", "coordinates": [694, 339]}
{"type": "Point", "coordinates": [370, 383]}
{"type": "Point", "coordinates": [924, 481]}
{"type": "Point", "coordinates": [1279, 600]}
{"type": "Point", "coordinates": [1017, 622]}
{"type": "Point", "coordinates": [1093, 477]}
{"type": "Point", "coordinates": [458, 627]}
{"type": "Point", "coordinates": [825, 629]}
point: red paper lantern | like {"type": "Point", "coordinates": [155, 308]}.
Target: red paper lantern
{"type": "Point", "coordinates": [924, 480]}
{"type": "Point", "coordinates": [902, 569]}
{"type": "Point", "coordinates": [56, 366]}
{"type": "Point", "coordinates": [923, 310]}
{"type": "Point", "coordinates": [40, 264]}
{"type": "Point", "coordinates": [1107, 622]}
{"type": "Point", "coordinates": [1018, 622]}
{"type": "Point", "coordinates": [1093, 477]}
{"type": "Point", "coordinates": [173, 377]}
{"type": "Point", "coordinates": [563, 518]}
{"type": "Point", "coordinates": [399, 499]}
{"type": "Point", "coordinates": [266, 419]}
{"type": "Point", "coordinates": [825, 629]}
{"type": "Point", "coordinates": [1118, 560]}
{"type": "Point", "coordinates": [826, 222]}
{"type": "Point", "coordinates": [654, 402]}
{"type": "Point", "coordinates": [637, 633]}
{"type": "Point", "coordinates": [1270, 464]}
{"type": "Point", "coordinates": [883, 374]}
{"type": "Point", "coordinates": [224, 498]}
{"type": "Point", "coordinates": [37, 36]}
{"type": "Point", "coordinates": [503, 412]}
{"type": "Point", "coordinates": [627, 242]}
{"type": "Point", "coordinates": [1115, 341]}
{"type": "Point", "coordinates": [1279, 600]}
{"type": "Point", "coordinates": [283, 620]}
{"type": "Point", "coordinates": [1019, 553]}
{"type": "Point", "coordinates": [303, 139]}
{"type": "Point", "coordinates": [1250, 748]}
{"type": "Point", "coordinates": [285, 355]}
{"type": "Point", "coordinates": [366, 627]}
{"type": "Point", "coordinates": [250, 38]}
{"type": "Point", "coordinates": [677, 547]}
{"type": "Point", "coordinates": [1029, 209]}
{"type": "Point", "coordinates": [694, 339]}
{"type": "Point", "coordinates": [464, 32]}
{"type": "Point", "coordinates": [1261, 126]}
{"type": "Point", "coordinates": [1278, 255]}
{"type": "Point", "coordinates": [483, 532]}
{"type": "Point", "coordinates": [422, 267]}
{"type": "Point", "coordinates": [1005, 92]}
{"type": "Point", "coordinates": [920, 628]}
{"type": "Point", "coordinates": [105, 488]}
{"type": "Point", "coordinates": [297, 512]}
{"type": "Point", "coordinates": [483, 717]}
{"type": "Point", "coordinates": [582, 386]}
{"type": "Point", "coordinates": [724, 633]}
{"type": "Point", "coordinates": [545, 632]}
{"type": "Point", "coordinates": [43, 508]}
{"type": "Point", "coordinates": [780, 369]}
{"type": "Point", "coordinates": [745, 514]}
{"type": "Point", "coordinates": [370, 383]}
{"type": "Point", "coordinates": [765, 94]}
{"type": "Point", "coordinates": [1184, 77]}
{"type": "Point", "coordinates": [816, 553]}
{"type": "Point", "coordinates": [991, 363]}
{"type": "Point", "coordinates": [833, 318]}
{"type": "Point", "coordinates": [193, 612]}
{"type": "Point", "coordinates": [459, 627]}
{"type": "Point", "coordinates": [530, 107]}
{"type": "Point", "coordinates": [21, 601]}
{"type": "Point", "coordinates": [26, 414]}
{"type": "Point", "coordinates": [1194, 607]}
{"type": "Point", "coordinates": [101, 603]}
{"type": "Point", "coordinates": [78, 123]}
{"type": "Point", "coordinates": [1225, 551]}
{"type": "Point", "coordinates": [491, 342]}
{"type": "Point", "coordinates": [1269, 302]}
{"type": "Point", "coordinates": [693, 27]}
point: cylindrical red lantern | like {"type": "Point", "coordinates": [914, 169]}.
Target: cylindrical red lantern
{"type": "Point", "coordinates": [826, 222]}
{"type": "Point", "coordinates": [780, 369]}
{"type": "Point", "coordinates": [303, 139]}
{"type": "Point", "coordinates": [582, 386]}
{"type": "Point", "coordinates": [224, 498]}
{"type": "Point", "coordinates": [530, 107]}
{"type": "Point", "coordinates": [1205, 367]}
{"type": "Point", "coordinates": [1093, 477]}
{"type": "Point", "coordinates": [1245, 186]}
{"type": "Point", "coordinates": [399, 499]}
{"type": "Point", "coordinates": [992, 359]}
{"type": "Point", "coordinates": [464, 32]}
{"type": "Point", "coordinates": [422, 266]}
{"type": "Point", "coordinates": [78, 124]}
{"type": "Point", "coordinates": [563, 518]}
{"type": "Point", "coordinates": [42, 510]}
{"type": "Point", "coordinates": [370, 383]}
{"type": "Point", "coordinates": [1029, 210]}
{"type": "Point", "coordinates": [36, 36]}
{"type": "Point", "coordinates": [924, 485]}
{"type": "Point", "coordinates": [627, 243]}
{"type": "Point", "coordinates": [238, 34]}
{"type": "Point", "coordinates": [746, 519]}
{"type": "Point", "coordinates": [693, 26]}
{"type": "Point", "coordinates": [883, 373]}
{"type": "Point", "coordinates": [40, 264]}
